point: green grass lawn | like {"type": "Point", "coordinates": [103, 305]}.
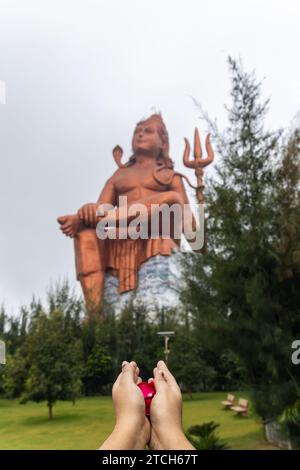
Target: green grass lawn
{"type": "Point", "coordinates": [88, 423]}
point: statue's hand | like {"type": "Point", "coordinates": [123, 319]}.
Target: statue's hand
{"type": "Point", "coordinates": [87, 214]}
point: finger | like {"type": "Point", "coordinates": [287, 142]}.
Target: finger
{"type": "Point", "coordinates": [85, 214]}
{"type": "Point", "coordinates": [159, 376]}
{"type": "Point", "coordinates": [133, 363]}
{"type": "Point", "coordinates": [90, 215]}
{"type": "Point", "coordinates": [139, 380]}
{"type": "Point", "coordinates": [80, 214]}
{"type": "Point", "coordinates": [119, 376]}
{"type": "Point", "coordinates": [117, 381]}
{"type": "Point", "coordinates": [128, 372]}
{"type": "Point", "coordinates": [96, 218]}
{"type": "Point", "coordinates": [93, 216]}
{"type": "Point", "coordinates": [161, 365]}
{"type": "Point", "coordinates": [137, 373]}
{"type": "Point", "coordinates": [124, 363]}
{"type": "Point", "coordinates": [159, 380]}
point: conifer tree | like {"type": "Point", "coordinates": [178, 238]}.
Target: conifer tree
{"type": "Point", "coordinates": [234, 292]}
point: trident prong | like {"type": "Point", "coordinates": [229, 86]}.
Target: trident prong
{"type": "Point", "coordinates": [197, 146]}
{"type": "Point", "coordinates": [198, 163]}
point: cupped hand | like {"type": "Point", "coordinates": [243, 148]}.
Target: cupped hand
{"type": "Point", "coordinates": [166, 412]}
{"type": "Point", "coordinates": [132, 429]}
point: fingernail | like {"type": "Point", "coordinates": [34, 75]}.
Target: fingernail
{"type": "Point", "coordinates": [124, 364]}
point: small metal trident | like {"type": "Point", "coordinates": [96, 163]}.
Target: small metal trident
{"type": "Point", "coordinates": [198, 163]}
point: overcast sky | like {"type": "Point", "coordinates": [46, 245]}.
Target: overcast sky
{"type": "Point", "coordinates": [80, 73]}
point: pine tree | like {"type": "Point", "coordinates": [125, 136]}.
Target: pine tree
{"type": "Point", "coordinates": [233, 291]}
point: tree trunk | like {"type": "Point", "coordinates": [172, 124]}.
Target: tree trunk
{"type": "Point", "coordinates": [50, 409]}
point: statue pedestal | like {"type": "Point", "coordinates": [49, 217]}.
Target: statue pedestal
{"type": "Point", "coordinates": [159, 280]}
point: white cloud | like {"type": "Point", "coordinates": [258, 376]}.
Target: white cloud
{"type": "Point", "coordinates": [2, 92]}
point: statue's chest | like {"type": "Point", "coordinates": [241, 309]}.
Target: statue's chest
{"type": "Point", "coordinates": [137, 178]}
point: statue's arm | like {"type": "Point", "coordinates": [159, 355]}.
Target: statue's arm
{"type": "Point", "coordinates": [108, 193]}
{"type": "Point", "coordinates": [87, 213]}
{"type": "Point", "coordinates": [178, 186]}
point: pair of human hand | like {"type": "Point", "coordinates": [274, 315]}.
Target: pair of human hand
{"type": "Point", "coordinates": [133, 430]}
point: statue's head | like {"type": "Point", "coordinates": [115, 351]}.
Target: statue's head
{"type": "Point", "coordinates": [151, 137]}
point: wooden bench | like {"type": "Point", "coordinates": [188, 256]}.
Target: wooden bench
{"type": "Point", "coordinates": [228, 403]}
{"type": "Point", "coordinates": [241, 408]}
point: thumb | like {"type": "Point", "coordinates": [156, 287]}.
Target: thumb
{"type": "Point", "coordinates": [159, 380]}
{"type": "Point", "coordinates": [128, 373]}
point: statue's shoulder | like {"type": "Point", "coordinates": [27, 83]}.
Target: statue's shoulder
{"type": "Point", "coordinates": [119, 172]}
{"type": "Point", "coordinates": [164, 174]}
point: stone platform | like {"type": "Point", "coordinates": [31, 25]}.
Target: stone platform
{"type": "Point", "coordinates": [159, 281]}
